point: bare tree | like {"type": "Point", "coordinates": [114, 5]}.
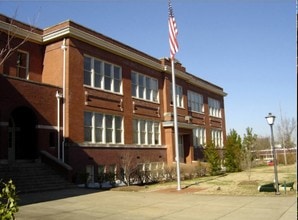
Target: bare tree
{"type": "Point", "coordinates": [11, 34]}
{"type": "Point", "coordinates": [285, 133]}
{"type": "Point", "coordinates": [127, 167]}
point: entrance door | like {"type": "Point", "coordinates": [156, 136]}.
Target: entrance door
{"type": "Point", "coordinates": [22, 138]}
{"type": "Point", "coordinates": [181, 148]}
{"type": "Point", "coordinates": [90, 171]}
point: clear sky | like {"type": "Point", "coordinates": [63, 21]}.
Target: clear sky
{"type": "Point", "coordinates": [247, 47]}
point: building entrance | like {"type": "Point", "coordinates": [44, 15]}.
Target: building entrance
{"type": "Point", "coordinates": [22, 135]}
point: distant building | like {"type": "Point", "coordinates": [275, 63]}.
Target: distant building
{"type": "Point", "coordinates": [89, 100]}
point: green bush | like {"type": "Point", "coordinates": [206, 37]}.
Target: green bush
{"type": "Point", "coordinates": [8, 201]}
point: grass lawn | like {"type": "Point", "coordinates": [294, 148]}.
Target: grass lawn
{"type": "Point", "coordinates": [239, 183]}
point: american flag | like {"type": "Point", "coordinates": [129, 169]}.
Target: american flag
{"type": "Point", "coordinates": [173, 32]}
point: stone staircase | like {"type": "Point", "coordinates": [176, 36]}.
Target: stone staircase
{"type": "Point", "coordinates": [31, 176]}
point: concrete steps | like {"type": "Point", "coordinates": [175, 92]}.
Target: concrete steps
{"type": "Point", "coordinates": [33, 177]}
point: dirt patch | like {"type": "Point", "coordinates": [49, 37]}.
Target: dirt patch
{"type": "Point", "coordinates": [192, 189]}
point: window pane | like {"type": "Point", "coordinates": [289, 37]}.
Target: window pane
{"type": "Point", "coordinates": [118, 127]}
{"type": "Point", "coordinates": [109, 121]}
{"type": "Point", "coordinates": [22, 64]}
{"type": "Point", "coordinates": [117, 74]}
{"type": "Point", "coordinates": [108, 82]}
{"type": "Point", "coordinates": [148, 88]}
{"type": "Point", "coordinates": [87, 118]}
{"type": "Point", "coordinates": [87, 134]}
{"type": "Point", "coordinates": [98, 120]}
{"type": "Point", "coordinates": [22, 73]}
{"type": "Point", "coordinates": [118, 136]}
{"type": "Point", "coordinates": [98, 135]}
{"type": "Point", "coordinates": [117, 79]}
{"type": "Point", "coordinates": [150, 132]}
{"type": "Point", "coordinates": [154, 87]}
{"type": "Point", "coordinates": [134, 84]}
{"type": "Point", "coordinates": [141, 86]}
{"type": "Point", "coordinates": [143, 131]}
{"type": "Point", "coordinates": [109, 129]}
{"type": "Point", "coordinates": [87, 126]}
{"type": "Point", "coordinates": [156, 133]}
{"type": "Point", "coordinates": [97, 74]}
{"type": "Point", "coordinates": [107, 70]}
{"type": "Point", "coordinates": [98, 127]}
{"type": "Point", "coordinates": [134, 90]}
{"type": "Point", "coordinates": [135, 131]}
{"type": "Point", "coordinates": [108, 76]}
{"type": "Point", "coordinates": [87, 71]}
{"type": "Point", "coordinates": [118, 122]}
{"type": "Point", "coordinates": [134, 78]}
{"type": "Point", "coordinates": [117, 85]}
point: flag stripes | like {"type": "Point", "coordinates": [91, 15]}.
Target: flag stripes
{"type": "Point", "coordinates": [173, 32]}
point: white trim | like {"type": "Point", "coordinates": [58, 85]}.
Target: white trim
{"type": "Point", "coordinates": [49, 127]}
{"type": "Point", "coordinates": [21, 32]}
{"type": "Point", "coordinates": [108, 46]}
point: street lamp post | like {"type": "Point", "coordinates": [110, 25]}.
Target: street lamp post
{"type": "Point", "coordinates": [270, 119]}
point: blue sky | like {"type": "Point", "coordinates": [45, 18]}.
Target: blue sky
{"type": "Point", "coordinates": [247, 47]}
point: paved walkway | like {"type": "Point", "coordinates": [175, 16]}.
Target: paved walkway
{"type": "Point", "coordinates": [86, 204]}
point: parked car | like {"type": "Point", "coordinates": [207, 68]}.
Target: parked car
{"type": "Point", "coordinates": [270, 163]}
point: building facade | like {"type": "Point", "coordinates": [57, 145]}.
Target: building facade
{"type": "Point", "coordinates": [91, 101]}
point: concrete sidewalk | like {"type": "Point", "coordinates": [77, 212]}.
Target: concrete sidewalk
{"type": "Point", "coordinates": [86, 204]}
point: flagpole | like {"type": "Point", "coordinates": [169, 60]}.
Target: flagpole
{"type": "Point", "coordinates": [175, 125]}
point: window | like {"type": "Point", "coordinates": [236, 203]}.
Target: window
{"type": "Point", "coordinates": [195, 101]}
{"type": "Point", "coordinates": [144, 87]}
{"type": "Point", "coordinates": [179, 96]}
{"type": "Point", "coordinates": [199, 136]}
{"type": "Point", "coordinates": [146, 132]}
{"type": "Point", "coordinates": [214, 107]}
{"type": "Point", "coordinates": [22, 64]}
{"type": "Point", "coordinates": [217, 138]}
{"type": "Point", "coordinates": [101, 128]}
{"type": "Point", "coordinates": [102, 75]}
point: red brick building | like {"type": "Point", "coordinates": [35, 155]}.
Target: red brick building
{"type": "Point", "coordinates": [89, 100]}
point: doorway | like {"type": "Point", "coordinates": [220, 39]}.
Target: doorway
{"type": "Point", "coordinates": [22, 135]}
{"type": "Point", "coordinates": [181, 148]}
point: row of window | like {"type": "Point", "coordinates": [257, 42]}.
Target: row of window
{"type": "Point", "coordinates": [107, 76]}
{"type": "Point", "coordinates": [108, 129]}
{"type": "Point", "coordinates": [199, 137]}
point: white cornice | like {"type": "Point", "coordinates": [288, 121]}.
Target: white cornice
{"type": "Point", "coordinates": [101, 43]}
{"type": "Point", "coordinates": [106, 45]}
{"type": "Point", "coordinates": [20, 32]}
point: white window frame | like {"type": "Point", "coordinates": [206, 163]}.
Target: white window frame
{"type": "Point", "coordinates": [199, 136]}
{"type": "Point", "coordinates": [144, 87]}
{"type": "Point", "coordinates": [217, 138]}
{"type": "Point", "coordinates": [104, 129]}
{"type": "Point", "coordinates": [146, 132]}
{"type": "Point", "coordinates": [99, 77]}
{"type": "Point", "coordinates": [179, 96]}
{"type": "Point", "coordinates": [23, 65]}
{"type": "Point", "coordinates": [214, 107]}
{"type": "Point", "coordinates": [195, 101]}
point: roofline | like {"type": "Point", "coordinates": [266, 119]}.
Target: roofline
{"type": "Point", "coordinates": [71, 29]}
